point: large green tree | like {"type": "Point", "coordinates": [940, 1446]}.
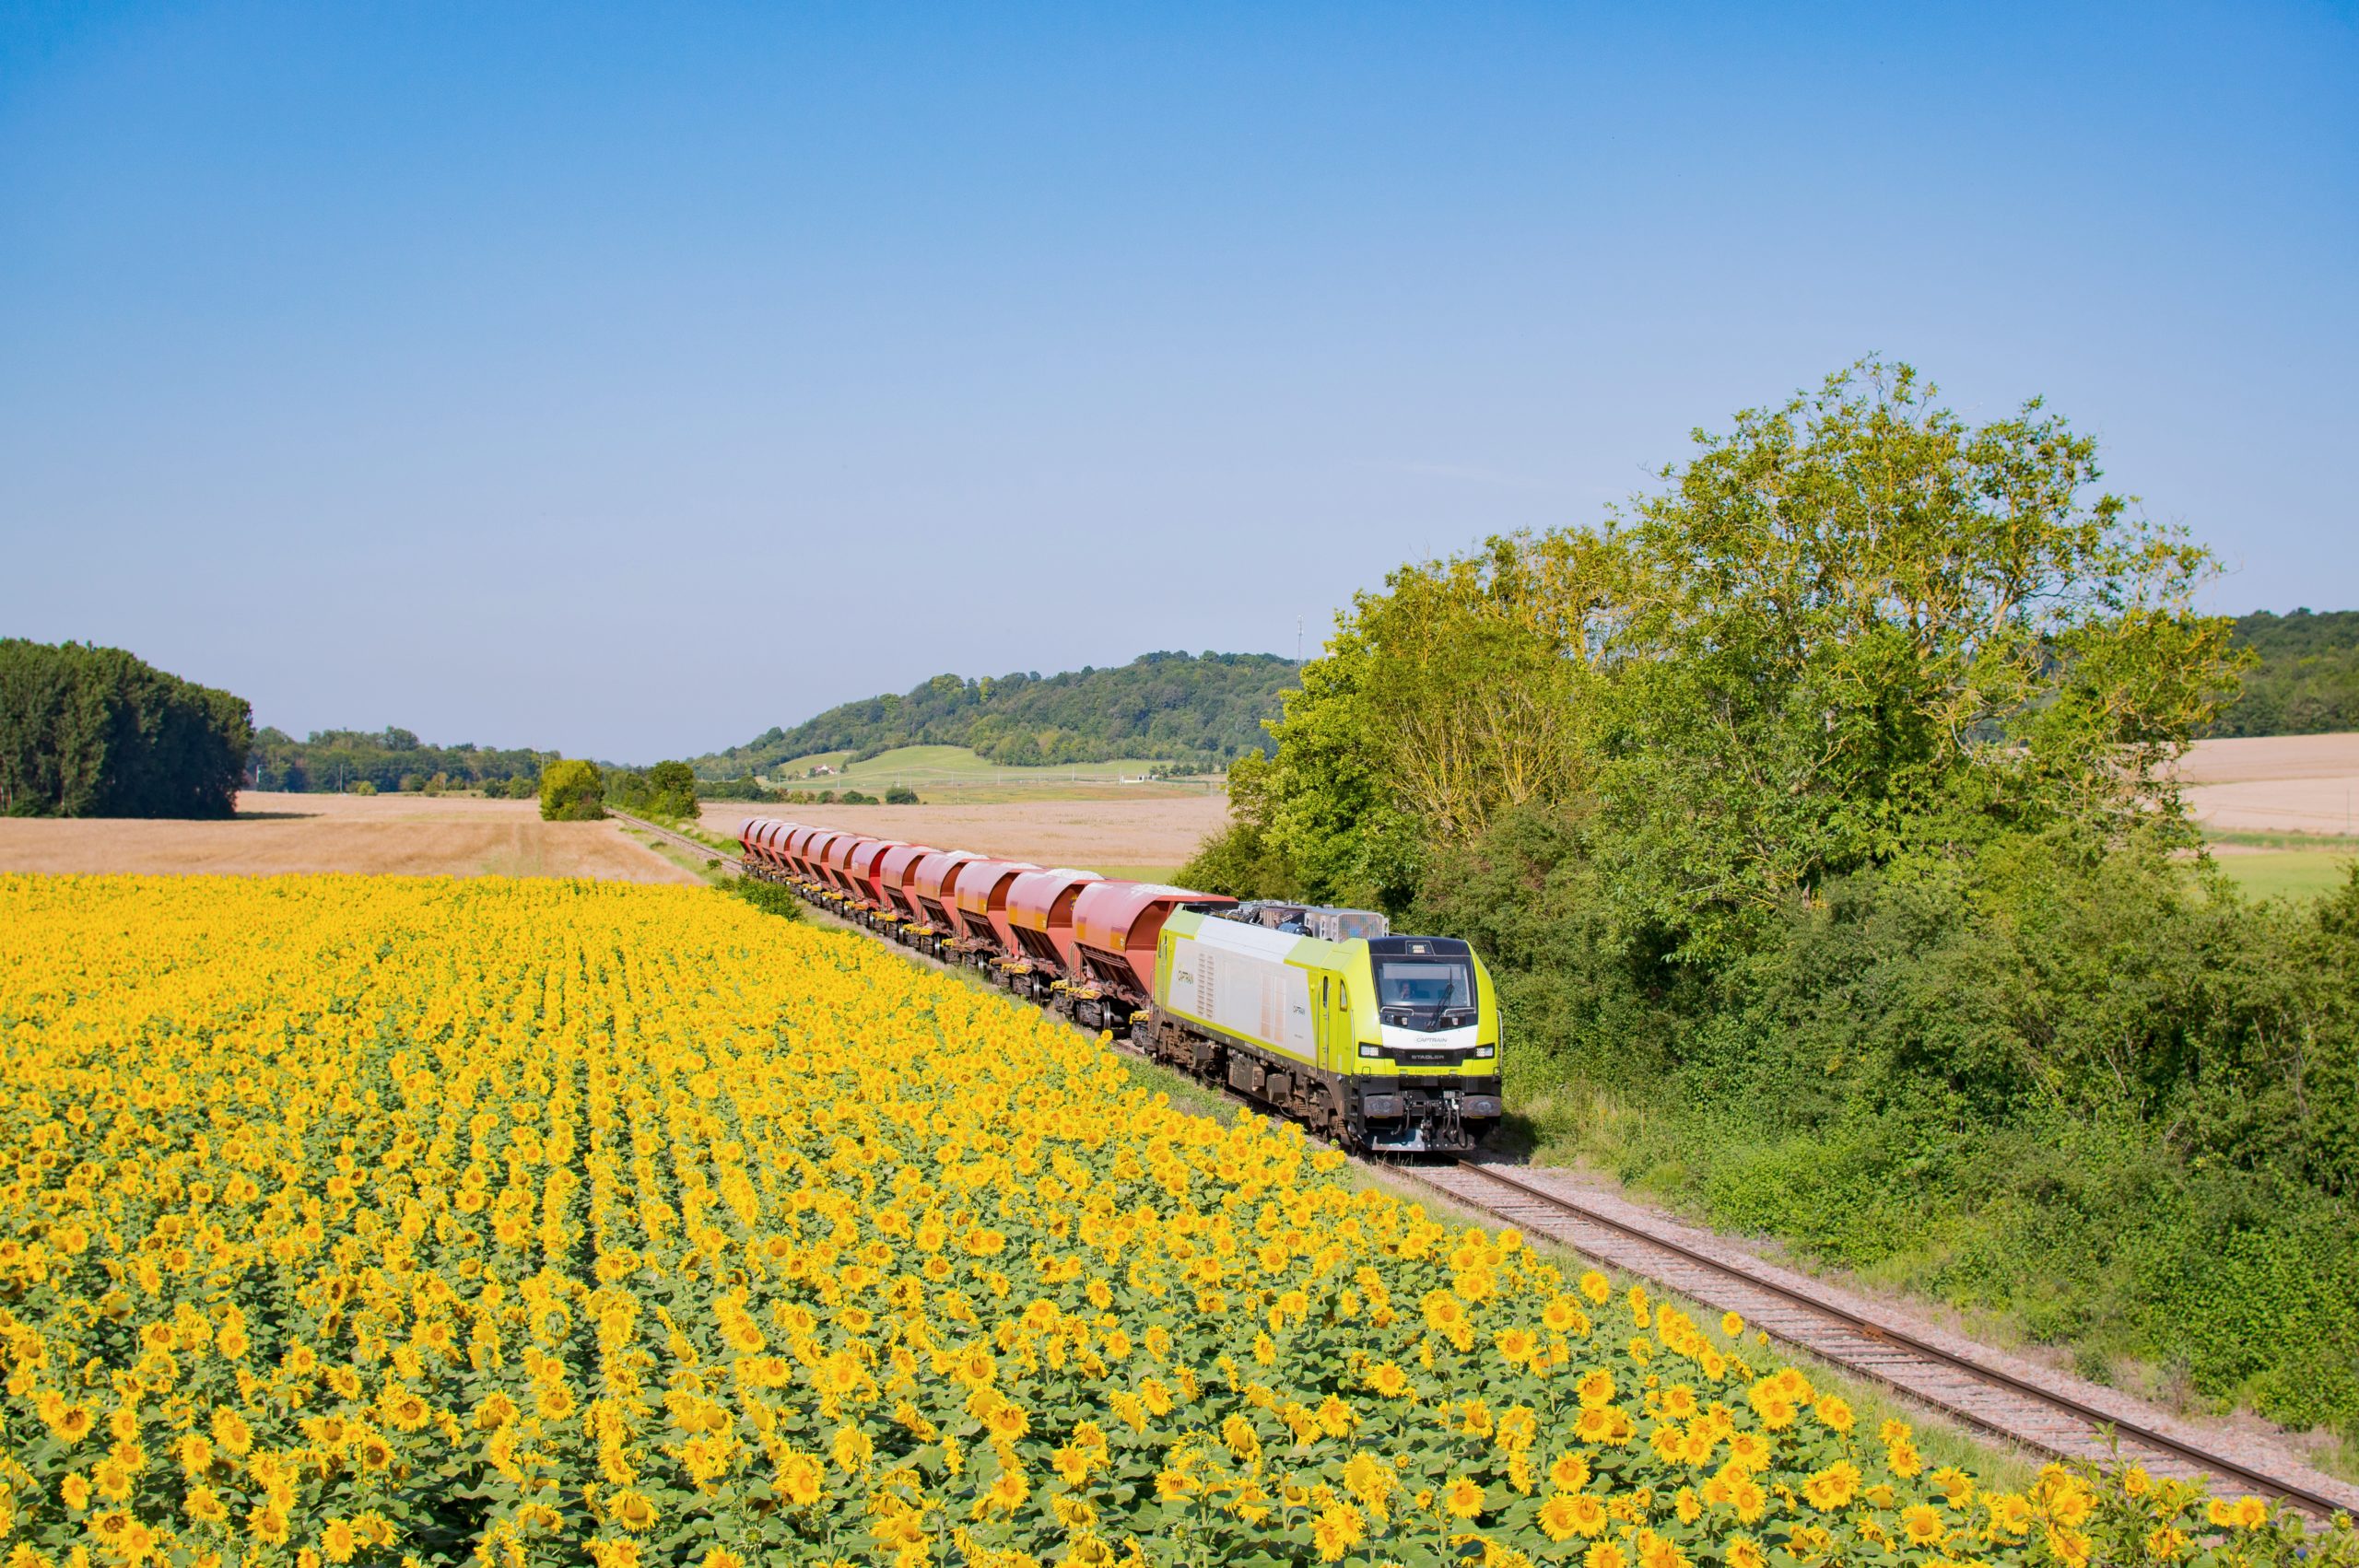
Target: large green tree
{"type": "Point", "coordinates": [1463, 690]}
{"type": "Point", "coordinates": [671, 789]}
{"type": "Point", "coordinates": [572, 790]}
{"type": "Point", "coordinates": [1854, 623]}
{"type": "Point", "coordinates": [1850, 626]}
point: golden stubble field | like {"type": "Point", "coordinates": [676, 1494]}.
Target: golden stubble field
{"type": "Point", "coordinates": [2275, 784]}
{"type": "Point", "coordinates": [2294, 784]}
{"type": "Point", "coordinates": [1154, 831]}
{"type": "Point", "coordinates": [401, 834]}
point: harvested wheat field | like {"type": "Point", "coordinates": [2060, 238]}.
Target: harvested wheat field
{"type": "Point", "coordinates": [275, 833]}
{"type": "Point", "coordinates": [2275, 784]}
{"type": "Point", "coordinates": [1158, 831]}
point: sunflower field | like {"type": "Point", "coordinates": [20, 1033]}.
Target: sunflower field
{"type": "Point", "coordinates": [381, 1220]}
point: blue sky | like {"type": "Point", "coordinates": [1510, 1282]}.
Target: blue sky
{"type": "Point", "coordinates": [628, 380]}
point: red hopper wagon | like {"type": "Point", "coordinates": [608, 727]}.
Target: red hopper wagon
{"type": "Point", "coordinates": [933, 886]}
{"type": "Point", "coordinates": [985, 930]}
{"type": "Point", "coordinates": [835, 861]}
{"type": "Point", "coordinates": [1039, 911]}
{"type": "Point", "coordinates": [861, 873]}
{"type": "Point", "coordinates": [896, 869]}
{"type": "Point", "coordinates": [1114, 928]}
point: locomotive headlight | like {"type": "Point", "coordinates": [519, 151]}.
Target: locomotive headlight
{"type": "Point", "coordinates": [1374, 1053]}
{"type": "Point", "coordinates": [1486, 1050]}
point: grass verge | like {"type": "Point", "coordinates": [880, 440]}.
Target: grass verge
{"type": "Point", "coordinates": [707, 868]}
{"type": "Point", "coordinates": [2018, 1266]}
{"type": "Point", "coordinates": [2289, 874]}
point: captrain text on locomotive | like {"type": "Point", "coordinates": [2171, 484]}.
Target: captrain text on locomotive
{"type": "Point", "coordinates": [1386, 1043]}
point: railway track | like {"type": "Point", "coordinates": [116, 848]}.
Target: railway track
{"type": "Point", "coordinates": [707, 851]}
{"type": "Point", "coordinates": [2041, 1411]}
{"type": "Point", "coordinates": [2024, 1405]}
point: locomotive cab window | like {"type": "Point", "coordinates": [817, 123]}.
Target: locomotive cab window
{"type": "Point", "coordinates": [1424, 988]}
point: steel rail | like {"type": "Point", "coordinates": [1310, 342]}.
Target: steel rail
{"type": "Point", "coordinates": [2099, 1421]}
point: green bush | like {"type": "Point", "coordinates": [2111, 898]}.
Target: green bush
{"type": "Point", "coordinates": [2087, 1088]}
{"type": "Point", "coordinates": [666, 791]}
{"type": "Point", "coordinates": [671, 791]}
{"type": "Point", "coordinates": [901, 795]}
{"type": "Point", "coordinates": [364, 788]}
{"type": "Point", "coordinates": [572, 790]}
{"type": "Point", "coordinates": [767, 897]}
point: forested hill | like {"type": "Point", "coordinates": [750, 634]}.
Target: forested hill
{"type": "Point", "coordinates": [1199, 710]}
{"type": "Point", "coordinates": [2307, 680]}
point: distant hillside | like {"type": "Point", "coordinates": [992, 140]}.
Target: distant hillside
{"type": "Point", "coordinates": [2308, 681]}
{"type": "Point", "coordinates": [1182, 708]}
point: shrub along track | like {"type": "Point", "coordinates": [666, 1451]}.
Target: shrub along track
{"type": "Point", "coordinates": [2040, 1410]}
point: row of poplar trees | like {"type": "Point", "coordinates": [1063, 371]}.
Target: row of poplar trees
{"type": "Point", "coordinates": [97, 732]}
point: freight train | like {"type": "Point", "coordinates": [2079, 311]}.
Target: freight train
{"type": "Point", "coordinates": [1386, 1043]}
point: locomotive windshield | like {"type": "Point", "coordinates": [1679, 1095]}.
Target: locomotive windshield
{"type": "Point", "coordinates": [1424, 985]}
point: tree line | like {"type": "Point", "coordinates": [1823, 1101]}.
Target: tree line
{"type": "Point", "coordinates": [1817, 812]}
{"type": "Point", "coordinates": [1199, 710]}
{"type": "Point", "coordinates": [2305, 677]}
{"type": "Point", "coordinates": [389, 759]}
{"type": "Point", "coordinates": [97, 732]}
